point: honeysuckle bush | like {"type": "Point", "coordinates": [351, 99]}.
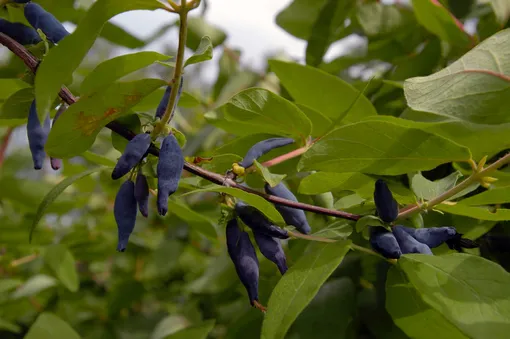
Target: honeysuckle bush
{"type": "Point", "coordinates": [421, 102]}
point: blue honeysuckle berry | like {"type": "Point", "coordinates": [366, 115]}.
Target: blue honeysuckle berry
{"type": "Point", "coordinates": [37, 134]}
{"type": "Point", "coordinates": [243, 255]}
{"type": "Point", "coordinates": [384, 242]}
{"type": "Point", "coordinates": [134, 152]}
{"type": "Point", "coordinates": [160, 111]}
{"type": "Point", "coordinates": [263, 147]}
{"type": "Point", "coordinates": [22, 34]}
{"type": "Point", "coordinates": [385, 204]}
{"type": "Point", "coordinates": [271, 248]}
{"type": "Point", "coordinates": [124, 211]}
{"type": "Point", "coordinates": [292, 216]}
{"type": "Point", "coordinates": [169, 170]}
{"type": "Point", "coordinates": [254, 219]}
{"type": "Point", "coordinates": [432, 236]}
{"type": "Point", "coordinates": [408, 244]}
{"type": "Point", "coordinates": [39, 18]}
{"type": "Point", "coordinates": [142, 194]}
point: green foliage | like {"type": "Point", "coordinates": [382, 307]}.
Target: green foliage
{"type": "Point", "coordinates": [418, 102]}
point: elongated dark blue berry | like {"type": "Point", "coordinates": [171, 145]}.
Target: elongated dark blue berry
{"type": "Point", "coordinates": [142, 194]}
{"type": "Point", "coordinates": [384, 242]}
{"type": "Point", "coordinates": [432, 236]}
{"type": "Point", "coordinates": [22, 34]}
{"type": "Point", "coordinates": [124, 210]}
{"type": "Point", "coordinates": [386, 205]}
{"type": "Point", "coordinates": [46, 22]}
{"type": "Point", "coordinates": [272, 249]}
{"type": "Point", "coordinates": [254, 219]}
{"type": "Point", "coordinates": [292, 216]}
{"type": "Point", "coordinates": [170, 165]}
{"type": "Point", "coordinates": [135, 150]}
{"type": "Point", "coordinates": [37, 135]}
{"type": "Point", "coordinates": [55, 162]}
{"type": "Point", "coordinates": [160, 111]}
{"type": "Point", "coordinates": [263, 147]}
{"type": "Point", "coordinates": [407, 243]}
{"type": "Point", "coordinates": [457, 243]}
{"type": "Point", "coordinates": [242, 253]}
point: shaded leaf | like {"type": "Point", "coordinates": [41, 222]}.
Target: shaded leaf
{"type": "Point", "coordinates": [299, 285]}
{"type": "Point", "coordinates": [378, 147]}
{"type": "Point", "coordinates": [83, 120]}
{"type": "Point", "coordinates": [203, 53]}
{"type": "Point", "coordinates": [49, 326]}
{"type": "Point", "coordinates": [113, 69]}
{"type": "Point", "coordinates": [456, 286]}
{"type": "Point", "coordinates": [55, 192]}
{"type": "Point", "coordinates": [322, 92]}
{"type": "Point", "coordinates": [59, 64]}
{"type": "Point", "coordinates": [60, 260]}
{"type": "Point", "coordinates": [271, 178]}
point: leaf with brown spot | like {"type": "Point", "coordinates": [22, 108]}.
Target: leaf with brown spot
{"type": "Point", "coordinates": [75, 131]}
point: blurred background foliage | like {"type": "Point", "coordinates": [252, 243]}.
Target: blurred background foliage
{"type": "Point", "coordinates": [174, 279]}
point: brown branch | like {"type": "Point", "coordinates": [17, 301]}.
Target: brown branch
{"type": "Point", "coordinates": [3, 146]}
{"type": "Point", "coordinates": [31, 62]}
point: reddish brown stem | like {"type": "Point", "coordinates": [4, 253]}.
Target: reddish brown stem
{"type": "Point", "coordinates": [285, 157]}
{"type": "Point", "coordinates": [31, 62]}
{"type": "Point", "coordinates": [5, 143]}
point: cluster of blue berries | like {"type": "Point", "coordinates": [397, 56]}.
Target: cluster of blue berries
{"type": "Point", "coordinates": [267, 235]}
{"type": "Point", "coordinates": [405, 240]}
{"type": "Point", "coordinates": [38, 18]}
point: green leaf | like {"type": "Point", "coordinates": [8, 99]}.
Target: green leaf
{"type": "Point", "coordinates": [195, 332]}
{"type": "Point", "coordinates": [482, 213]}
{"type": "Point", "coordinates": [196, 220]}
{"type": "Point", "coordinates": [198, 28]}
{"type": "Point", "coordinates": [270, 178]}
{"type": "Point", "coordinates": [322, 92]}
{"type": "Point", "coordinates": [18, 104]}
{"type": "Point", "coordinates": [367, 220]}
{"type": "Point", "coordinates": [494, 136]}
{"type": "Point", "coordinates": [378, 19]}
{"type": "Point", "coordinates": [257, 110]}
{"type": "Point", "coordinates": [34, 285]}
{"type": "Point", "coordinates": [494, 196]}
{"type": "Point", "coordinates": [168, 326]}
{"type": "Point", "coordinates": [502, 10]}
{"type": "Point", "coordinates": [98, 159]}
{"type": "Point", "coordinates": [8, 284]}
{"type": "Point", "coordinates": [49, 326]}
{"type": "Point", "coordinates": [330, 312]}
{"type": "Point", "coordinates": [62, 60]}
{"type": "Point", "coordinates": [9, 326]}
{"type": "Point", "coordinates": [339, 229]}
{"type": "Point", "coordinates": [320, 39]}
{"type": "Point", "coordinates": [251, 199]}
{"type": "Point", "coordinates": [438, 20]}
{"type": "Point", "coordinates": [299, 17]}
{"type": "Point", "coordinates": [113, 69]}
{"type": "Point", "coordinates": [320, 123]}
{"type": "Point", "coordinates": [203, 53]}
{"type": "Point", "coordinates": [478, 80]}
{"type": "Point", "coordinates": [221, 163]}
{"type": "Point", "coordinates": [427, 190]}
{"type": "Point", "coordinates": [378, 147]}
{"type": "Point", "coordinates": [469, 291]}
{"type": "Point", "coordinates": [321, 182]}
{"type": "Point", "coordinates": [55, 192]}
{"type": "Point", "coordinates": [60, 260]}
{"type": "Point", "coordinates": [10, 86]}
{"type": "Point", "coordinates": [417, 319]}
{"type": "Point", "coordinates": [75, 131]}
{"type": "Point", "coordinates": [133, 123]}
{"type": "Point", "coordinates": [299, 285]}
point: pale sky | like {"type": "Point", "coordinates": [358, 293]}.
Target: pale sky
{"type": "Point", "coordinates": [250, 26]}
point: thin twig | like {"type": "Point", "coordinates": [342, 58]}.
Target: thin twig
{"type": "Point", "coordinates": [31, 62]}
{"type": "Point", "coordinates": [5, 143]}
